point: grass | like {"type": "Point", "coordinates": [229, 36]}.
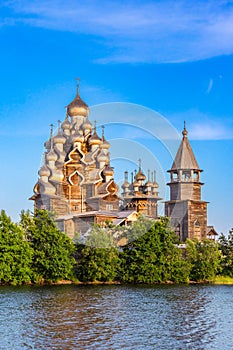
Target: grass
{"type": "Point", "coordinates": [222, 280]}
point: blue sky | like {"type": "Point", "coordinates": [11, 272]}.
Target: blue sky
{"type": "Point", "coordinates": [170, 57]}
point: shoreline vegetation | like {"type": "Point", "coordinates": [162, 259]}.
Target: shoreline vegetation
{"type": "Point", "coordinates": [220, 280]}
{"type": "Point", "coordinates": [35, 252]}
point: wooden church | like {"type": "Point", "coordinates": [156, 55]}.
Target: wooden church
{"type": "Point", "coordinates": [76, 182]}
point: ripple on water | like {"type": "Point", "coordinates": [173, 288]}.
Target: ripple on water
{"type": "Point", "coordinates": [116, 317]}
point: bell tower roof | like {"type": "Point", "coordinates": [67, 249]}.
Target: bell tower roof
{"type": "Point", "coordinates": [185, 158]}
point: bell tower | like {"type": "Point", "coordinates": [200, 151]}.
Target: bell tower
{"type": "Point", "coordinates": [188, 212]}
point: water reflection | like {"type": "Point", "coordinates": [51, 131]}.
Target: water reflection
{"type": "Point", "coordinates": [116, 317]}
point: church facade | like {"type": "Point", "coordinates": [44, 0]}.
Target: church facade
{"type": "Point", "coordinates": [76, 182]}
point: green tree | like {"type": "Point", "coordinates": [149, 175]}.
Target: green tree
{"type": "Point", "coordinates": [53, 251]}
{"type": "Point", "coordinates": [226, 247]}
{"type": "Point", "coordinates": [137, 229]}
{"type": "Point", "coordinates": [15, 253]}
{"type": "Point", "coordinates": [98, 258]}
{"type": "Point", "coordinates": [154, 257]}
{"type": "Point", "coordinates": [204, 258]}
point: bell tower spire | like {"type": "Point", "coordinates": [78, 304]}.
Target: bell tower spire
{"type": "Point", "coordinates": [184, 132]}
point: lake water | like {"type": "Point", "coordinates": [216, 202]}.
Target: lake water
{"type": "Point", "coordinates": [117, 317]}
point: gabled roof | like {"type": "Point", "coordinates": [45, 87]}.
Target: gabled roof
{"type": "Point", "coordinates": [185, 158]}
{"type": "Point", "coordinates": [211, 231]}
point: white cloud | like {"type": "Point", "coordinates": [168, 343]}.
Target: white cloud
{"type": "Point", "coordinates": [162, 31]}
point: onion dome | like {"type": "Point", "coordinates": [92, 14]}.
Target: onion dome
{"type": "Point", "coordinates": [149, 184]}
{"type": "Point", "coordinates": [59, 138]}
{"type": "Point", "coordinates": [155, 185]}
{"type": "Point", "coordinates": [108, 171]}
{"type": "Point", "coordinates": [88, 158]}
{"type": "Point", "coordinates": [87, 126]}
{"type": "Point", "coordinates": [126, 183]}
{"type": "Point", "coordinates": [77, 137]}
{"type": "Point", "coordinates": [51, 156]}
{"type": "Point", "coordinates": [105, 145]}
{"type": "Point", "coordinates": [136, 183]}
{"type": "Point", "coordinates": [102, 157]}
{"type": "Point", "coordinates": [140, 176]}
{"type": "Point", "coordinates": [47, 144]}
{"type": "Point", "coordinates": [44, 171]}
{"type": "Point", "coordinates": [94, 139]}
{"type": "Point", "coordinates": [66, 124]}
{"type": "Point", "coordinates": [77, 107]}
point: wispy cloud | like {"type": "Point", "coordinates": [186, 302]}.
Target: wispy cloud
{"type": "Point", "coordinates": [162, 31]}
{"type": "Point", "coordinates": [210, 86]}
{"type": "Point", "coordinates": [210, 131]}
{"type": "Point", "coordinates": [203, 126]}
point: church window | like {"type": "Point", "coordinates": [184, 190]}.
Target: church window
{"type": "Point", "coordinates": [195, 176]}
{"type": "Point", "coordinates": [197, 229]}
{"type": "Point", "coordinates": [186, 175]}
{"type": "Point", "coordinates": [175, 177]}
{"type": "Point", "coordinates": [109, 207]}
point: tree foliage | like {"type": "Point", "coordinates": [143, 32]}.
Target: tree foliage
{"type": "Point", "coordinates": [36, 251]}
{"type": "Point", "coordinates": [15, 253]}
{"type": "Point", "coordinates": [137, 229]}
{"type": "Point", "coordinates": [204, 258]}
{"type": "Point", "coordinates": [53, 250]}
{"type": "Point", "coordinates": [226, 248]}
{"type": "Point", "coordinates": [98, 259]}
{"type": "Point", "coordinates": [154, 257]}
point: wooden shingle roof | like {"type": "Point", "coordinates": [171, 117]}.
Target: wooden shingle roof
{"type": "Point", "coordinates": [185, 158]}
